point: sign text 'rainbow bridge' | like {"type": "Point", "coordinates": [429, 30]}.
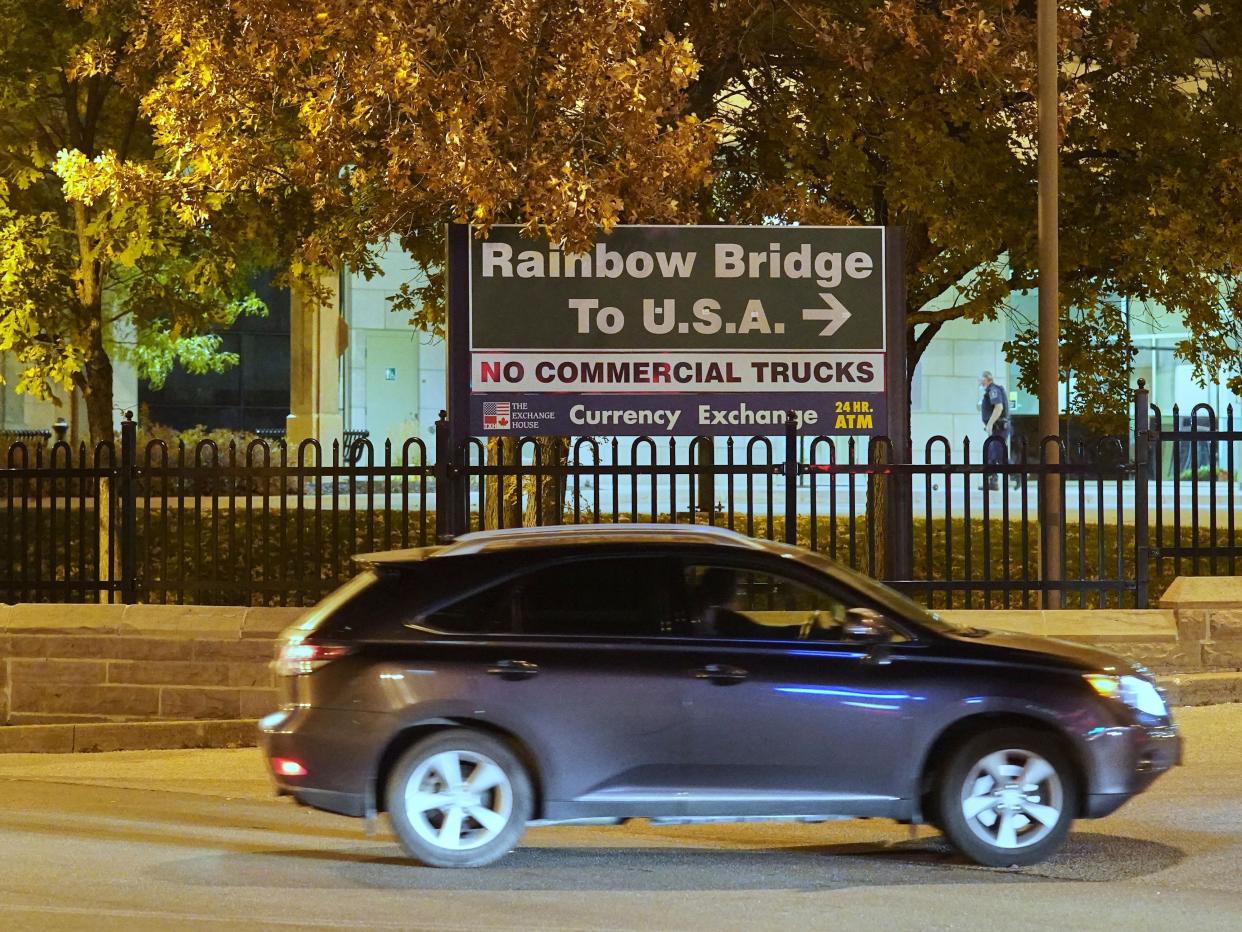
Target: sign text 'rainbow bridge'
{"type": "Point", "coordinates": [678, 330]}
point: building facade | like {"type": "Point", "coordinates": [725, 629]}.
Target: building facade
{"type": "Point", "coordinates": [349, 363]}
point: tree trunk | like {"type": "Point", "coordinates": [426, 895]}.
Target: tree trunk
{"type": "Point", "coordinates": [545, 495]}
{"type": "Point", "coordinates": [501, 506]}
{"type": "Point", "coordinates": [96, 384]}
{"type": "Point", "coordinates": [877, 513]}
{"type": "Point", "coordinates": [879, 486]}
{"type": "Point", "coordinates": [541, 501]}
{"type": "Point", "coordinates": [95, 378]}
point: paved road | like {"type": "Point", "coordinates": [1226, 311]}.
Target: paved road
{"type": "Point", "coordinates": [193, 839]}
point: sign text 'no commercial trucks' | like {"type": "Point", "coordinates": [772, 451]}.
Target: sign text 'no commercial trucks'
{"type": "Point", "coordinates": [678, 330]}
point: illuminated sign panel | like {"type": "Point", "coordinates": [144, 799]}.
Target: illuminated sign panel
{"type": "Point", "coordinates": [676, 330]}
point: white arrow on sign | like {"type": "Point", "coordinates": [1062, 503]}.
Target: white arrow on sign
{"type": "Point", "coordinates": [835, 313]}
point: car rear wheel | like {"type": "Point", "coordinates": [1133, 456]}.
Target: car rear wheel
{"type": "Point", "coordinates": [459, 798]}
{"type": "Point", "coordinates": [1007, 797]}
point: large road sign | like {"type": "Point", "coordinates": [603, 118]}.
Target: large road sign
{"type": "Point", "coordinates": [678, 330]}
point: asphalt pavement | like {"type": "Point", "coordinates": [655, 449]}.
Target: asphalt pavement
{"type": "Point", "coordinates": [195, 840]}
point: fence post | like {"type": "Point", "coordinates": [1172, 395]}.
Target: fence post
{"type": "Point", "coordinates": [1142, 438]}
{"type": "Point", "coordinates": [790, 470]}
{"type": "Point", "coordinates": [449, 523]}
{"type": "Point", "coordinates": [707, 474]}
{"type": "Point", "coordinates": [900, 528]}
{"type": "Point", "coordinates": [127, 498]}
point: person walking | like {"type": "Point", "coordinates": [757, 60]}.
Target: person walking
{"type": "Point", "coordinates": [994, 409]}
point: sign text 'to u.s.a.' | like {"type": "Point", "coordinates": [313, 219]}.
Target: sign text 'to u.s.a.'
{"type": "Point", "coordinates": [677, 330]}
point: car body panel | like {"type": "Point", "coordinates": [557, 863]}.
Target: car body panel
{"type": "Point", "coordinates": [621, 727]}
{"type": "Point", "coordinates": [811, 725]}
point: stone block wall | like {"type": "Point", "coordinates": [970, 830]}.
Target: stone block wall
{"type": "Point", "coordinates": [1146, 636]}
{"type": "Point", "coordinates": [1209, 614]}
{"type": "Point", "coordinates": [1218, 634]}
{"type": "Point", "coordinates": [1196, 629]}
{"type": "Point", "coordinates": [117, 663]}
{"type": "Point", "coordinates": [127, 663]}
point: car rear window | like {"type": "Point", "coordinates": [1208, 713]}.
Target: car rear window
{"type": "Point", "coordinates": [611, 597]}
{"type": "Point", "coordinates": [322, 618]}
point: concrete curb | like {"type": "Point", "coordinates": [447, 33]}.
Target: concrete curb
{"type": "Point", "coordinates": [127, 736]}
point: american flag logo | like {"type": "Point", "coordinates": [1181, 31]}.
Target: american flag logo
{"type": "Point", "coordinates": [495, 415]}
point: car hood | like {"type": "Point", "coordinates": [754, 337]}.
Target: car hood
{"type": "Point", "coordinates": [1028, 648]}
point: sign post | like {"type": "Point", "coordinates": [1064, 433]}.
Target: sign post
{"type": "Point", "coordinates": [677, 331]}
{"type": "Point", "coordinates": [901, 505]}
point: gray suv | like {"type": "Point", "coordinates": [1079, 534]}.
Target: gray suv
{"type": "Point", "coordinates": [681, 673]}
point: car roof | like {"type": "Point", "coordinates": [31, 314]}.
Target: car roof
{"type": "Point", "coordinates": [569, 536]}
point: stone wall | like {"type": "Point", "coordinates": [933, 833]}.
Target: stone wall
{"type": "Point", "coordinates": [86, 664]}
{"type": "Point", "coordinates": [1196, 629]}
{"type": "Point", "coordinates": [1149, 636]}
{"type": "Point", "coordinates": [1209, 613]}
{"type": "Point", "coordinates": [118, 663]}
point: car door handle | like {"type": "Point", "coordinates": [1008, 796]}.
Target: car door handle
{"type": "Point", "coordinates": [721, 674]}
{"type": "Point", "coordinates": [514, 669]}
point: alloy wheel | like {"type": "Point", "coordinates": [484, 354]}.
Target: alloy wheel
{"type": "Point", "coordinates": [458, 799]}
{"type": "Point", "coordinates": [1012, 798]}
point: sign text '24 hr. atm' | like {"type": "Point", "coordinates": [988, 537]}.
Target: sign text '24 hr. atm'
{"type": "Point", "coordinates": [750, 321]}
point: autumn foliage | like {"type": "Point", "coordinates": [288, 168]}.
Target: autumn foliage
{"type": "Point", "coordinates": [364, 121]}
{"type": "Point", "coordinates": [316, 133]}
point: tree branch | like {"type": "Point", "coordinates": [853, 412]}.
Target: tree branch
{"type": "Point", "coordinates": [131, 122]}
{"type": "Point", "coordinates": [916, 346]}
{"type": "Point", "coordinates": [914, 318]}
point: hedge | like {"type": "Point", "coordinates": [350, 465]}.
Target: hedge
{"type": "Point", "coordinates": [235, 557]}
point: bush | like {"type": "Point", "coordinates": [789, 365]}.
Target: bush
{"type": "Point", "coordinates": [239, 555]}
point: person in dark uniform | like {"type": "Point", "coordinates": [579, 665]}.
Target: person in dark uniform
{"type": "Point", "coordinates": [995, 412]}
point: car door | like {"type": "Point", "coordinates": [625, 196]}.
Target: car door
{"type": "Point", "coordinates": [578, 671]}
{"type": "Point", "coordinates": [789, 716]}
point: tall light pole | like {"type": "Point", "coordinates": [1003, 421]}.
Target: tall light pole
{"type": "Point", "coordinates": [1051, 506]}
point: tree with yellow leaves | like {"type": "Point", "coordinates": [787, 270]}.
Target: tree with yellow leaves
{"type": "Point", "coordinates": [92, 270]}
{"type": "Point", "coordinates": [922, 114]}
{"type": "Point", "coordinates": [358, 122]}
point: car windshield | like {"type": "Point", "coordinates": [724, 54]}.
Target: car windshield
{"type": "Point", "coordinates": [877, 592]}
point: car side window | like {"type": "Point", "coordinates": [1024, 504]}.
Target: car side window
{"type": "Point", "coordinates": [748, 604]}
{"type": "Point", "coordinates": [617, 596]}
{"type": "Point", "coordinates": [489, 611]}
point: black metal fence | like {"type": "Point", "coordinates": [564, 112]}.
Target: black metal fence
{"type": "Point", "coordinates": [270, 524]}
{"type": "Point", "coordinates": [930, 528]}
{"type": "Point", "coordinates": [1195, 467]}
{"type": "Point", "coordinates": [259, 524]}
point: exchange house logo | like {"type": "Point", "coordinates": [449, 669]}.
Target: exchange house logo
{"type": "Point", "coordinates": [495, 415]}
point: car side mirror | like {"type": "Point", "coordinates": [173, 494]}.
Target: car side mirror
{"type": "Point", "coordinates": [864, 624]}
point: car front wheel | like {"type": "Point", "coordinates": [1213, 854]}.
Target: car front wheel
{"type": "Point", "coordinates": [1007, 797]}
{"type": "Point", "coordinates": [459, 799]}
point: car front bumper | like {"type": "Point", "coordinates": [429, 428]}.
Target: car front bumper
{"type": "Point", "coordinates": [1124, 761]}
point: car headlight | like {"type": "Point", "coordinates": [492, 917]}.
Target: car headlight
{"type": "Point", "coordinates": [1134, 691]}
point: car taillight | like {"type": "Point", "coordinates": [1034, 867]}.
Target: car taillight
{"type": "Point", "coordinates": [298, 658]}
{"type": "Point", "coordinates": [288, 767]}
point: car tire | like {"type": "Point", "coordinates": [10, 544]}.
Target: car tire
{"type": "Point", "coordinates": [459, 798]}
{"type": "Point", "coordinates": [1007, 797]}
